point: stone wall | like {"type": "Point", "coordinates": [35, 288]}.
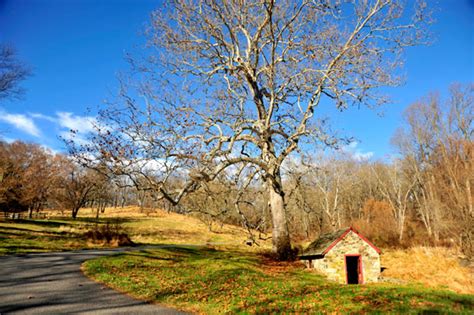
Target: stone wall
{"type": "Point", "coordinates": [333, 265]}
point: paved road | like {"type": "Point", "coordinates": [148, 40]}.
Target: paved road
{"type": "Point", "coordinates": [52, 283]}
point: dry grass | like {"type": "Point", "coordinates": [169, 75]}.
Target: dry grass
{"type": "Point", "coordinates": [162, 227]}
{"type": "Point", "coordinates": [431, 266]}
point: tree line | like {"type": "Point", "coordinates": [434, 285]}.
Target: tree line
{"type": "Point", "coordinates": [32, 178]}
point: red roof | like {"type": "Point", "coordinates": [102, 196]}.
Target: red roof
{"type": "Point", "coordinates": [327, 241]}
{"type": "Point", "coordinates": [347, 232]}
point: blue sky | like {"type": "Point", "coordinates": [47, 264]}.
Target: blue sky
{"type": "Point", "coordinates": [76, 49]}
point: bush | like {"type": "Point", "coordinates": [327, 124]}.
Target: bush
{"type": "Point", "coordinates": [112, 234]}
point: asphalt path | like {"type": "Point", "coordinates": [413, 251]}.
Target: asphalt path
{"type": "Point", "coordinates": [52, 283]}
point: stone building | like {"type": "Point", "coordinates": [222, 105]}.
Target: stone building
{"type": "Point", "coordinates": [344, 256]}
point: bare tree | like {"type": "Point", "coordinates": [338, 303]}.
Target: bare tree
{"type": "Point", "coordinates": [12, 72]}
{"type": "Point", "coordinates": [101, 194]}
{"type": "Point", "coordinates": [237, 84]}
{"type": "Point", "coordinates": [417, 144]}
{"type": "Point", "coordinates": [74, 186]}
{"type": "Point", "coordinates": [334, 179]}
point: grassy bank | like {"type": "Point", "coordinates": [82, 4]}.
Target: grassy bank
{"type": "Point", "coordinates": [210, 281]}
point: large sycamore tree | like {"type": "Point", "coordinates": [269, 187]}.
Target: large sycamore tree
{"type": "Point", "coordinates": [234, 88]}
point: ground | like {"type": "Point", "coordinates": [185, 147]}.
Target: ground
{"type": "Point", "coordinates": [224, 275]}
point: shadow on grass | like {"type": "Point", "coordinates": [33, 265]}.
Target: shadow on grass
{"type": "Point", "coordinates": [68, 220]}
{"type": "Point", "coordinates": [10, 229]}
{"type": "Point", "coordinates": [56, 223]}
{"type": "Point", "coordinates": [17, 232]}
{"type": "Point", "coordinates": [38, 222]}
{"type": "Point", "coordinates": [23, 236]}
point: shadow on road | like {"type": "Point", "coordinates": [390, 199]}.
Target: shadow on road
{"type": "Point", "coordinates": [47, 283]}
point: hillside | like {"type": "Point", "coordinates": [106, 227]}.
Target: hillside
{"type": "Point", "coordinates": [161, 227]}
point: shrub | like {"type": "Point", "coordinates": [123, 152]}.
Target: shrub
{"type": "Point", "coordinates": [112, 234]}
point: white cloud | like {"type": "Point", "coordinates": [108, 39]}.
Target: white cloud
{"type": "Point", "coordinates": [50, 149]}
{"type": "Point", "coordinates": [21, 122]}
{"type": "Point", "coordinates": [359, 156]}
{"type": "Point", "coordinates": [67, 121]}
{"type": "Point", "coordinates": [81, 124]}
{"type": "Point", "coordinates": [356, 153]}
{"type": "Point", "coordinates": [63, 122]}
{"type": "Point", "coordinates": [42, 116]}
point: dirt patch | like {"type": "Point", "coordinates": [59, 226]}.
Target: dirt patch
{"type": "Point", "coordinates": [271, 266]}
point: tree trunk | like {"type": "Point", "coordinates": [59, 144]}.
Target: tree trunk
{"type": "Point", "coordinates": [74, 212]}
{"type": "Point", "coordinates": [280, 233]}
{"type": "Point", "coordinates": [401, 229]}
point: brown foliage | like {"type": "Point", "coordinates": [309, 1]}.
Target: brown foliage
{"type": "Point", "coordinates": [432, 266]}
{"type": "Point", "coordinates": [27, 174]}
{"type": "Point", "coordinates": [377, 223]}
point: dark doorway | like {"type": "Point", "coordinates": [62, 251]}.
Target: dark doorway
{"type": "Point", "coordinates": [353, 269]}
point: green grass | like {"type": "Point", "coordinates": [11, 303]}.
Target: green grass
{"type": "Point", "coordinates": [209, 281]}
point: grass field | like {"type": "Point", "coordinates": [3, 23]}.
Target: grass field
{"type": "Point", "coordinates": [210, 281]}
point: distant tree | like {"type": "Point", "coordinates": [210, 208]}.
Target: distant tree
{"type": "Point", "coordinates": [75, 186]}
{"type": "Point", "coordinates": [26, 176]}
{"type": "Point", "coordinates": [12, 72]}
{"type": "Point", "coordinates": [102, 193]}
{"type": "Point", "coordinates": [378, 223]}
{"type": "Point", "coordinates": [232, 85]}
